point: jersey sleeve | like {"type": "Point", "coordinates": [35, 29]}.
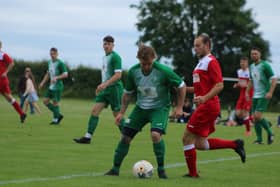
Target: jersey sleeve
{"type": "Point", "coordinates": [173, 79]}
{"type": "Point", "coordinates": [63, 68]}
{"type": "Point", "coordinates": [268, 71]}
{"type": "Point", "coordinates": [117, 61]}
{"type": "Point", "coordinates": [130, 86]}
{"type": "Point", "coordinates": [215, 72]}
{"type": "Point", "coordinates": [7, 59]}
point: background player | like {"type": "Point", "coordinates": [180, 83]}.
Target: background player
{"type": "Point", "coordinates": [57, 71]}
{"type": "Point", "coordinates": [151, 82]}
{"type": "Point", "coordinates": [264, 82]}
{"type": "Point", "coordinates": [109, 92]}
{"type": "Point", "coordinates": [207, 83]}
{"type": "Point", "coordinates": [6, 64]}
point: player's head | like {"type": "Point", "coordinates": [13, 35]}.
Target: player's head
{"type": "Point", "coordinates": [53, 53]}
{"type": "Point", "coordinates": [146, 56]}
{"type": "Point", "coordinates": [108, 44]}
{"type": "Point", "coordinates": [244, 62]}
{"type": "Point", "coordinates": [202, 45]}
{"type": "Point", "coordinates": [255, 54]}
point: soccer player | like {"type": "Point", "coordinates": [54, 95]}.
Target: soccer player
{"type": "Point", "coordinates": [243, 106]}
{"type": "Point", "coordinates": [109, 92]}
{"type": "Point", "coordinates": [6, 64]}
{"type": "Point", "coordinates": [57, 71]}
{"type": "Point", "coordinates": [207, 83]}
{"type": "Point", "coordinates": [151, 82]}
{"type": "Point", "coordinates": [263, 80]}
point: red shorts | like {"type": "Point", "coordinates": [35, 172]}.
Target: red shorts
{"type": "Point", "coordinates": [202, 121]}
{"type": "Point", "coordinates": [243, 104]}
{"type": "Point", "coordinates": [4, 85]}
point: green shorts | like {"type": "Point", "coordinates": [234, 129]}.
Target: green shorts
{"type": "Point", "coordinates": [140, 117]}
{"type": "Point", "coordinates": [259, 104]}
{"type": "Point", "coordinates": [112, 96]}
{"type": "Point", "coordinates": [54, 95]}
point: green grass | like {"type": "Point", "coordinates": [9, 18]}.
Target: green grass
{"type": "Point", "coordinates": [38, 151]}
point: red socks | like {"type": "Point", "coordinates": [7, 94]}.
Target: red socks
{"type": "Point", "coordinates": [17, 108]}
{"type": "Point", "coordinates": [216, 143]}
{"type": "Point", "coordinates": [190, 157]}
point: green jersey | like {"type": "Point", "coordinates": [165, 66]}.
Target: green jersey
{"type": "Point", "coordinates": [56, 68]}
{"type": "Point", "coordinates": [260, 74]}
{"type": "Point", "coordinates": [112, 63]}
{"type": "Point", "coordinates": [153, 90]}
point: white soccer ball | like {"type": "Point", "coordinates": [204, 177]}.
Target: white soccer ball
{"type": "Point", "coordinates": [143, 169]}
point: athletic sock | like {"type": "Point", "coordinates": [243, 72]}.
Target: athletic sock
{"type": "Point", "coordinates": [159, 150]}
{"type": "Point", "coordinates": [258, 130]}
{"type": "Point", "coordinates": [56, 112]}
{"type": "Point", "coordinates": [190, 157]}
{"type": "Point", "coordinates": [92, 124]}
{"type": "Point", "coordinates": [216, 143]}
{"type": "Point", "coordinates": [266, 126]}
{"type": "Point", "coordinates": [17, 107]}
{"type": "Point", "coordinates": [51, 108]}
{"type": "Point", "coordinates": [246, 121]}
{"type": "Point", "coordinates": [120, 152]}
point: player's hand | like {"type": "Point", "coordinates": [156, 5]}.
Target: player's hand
{"type": "Point", "coordinates": [54, 80]}
{"type": "Point", "coordinates": [4, 74]}
{"type": "Point", "coordinates": [178, 112]}
{"type": "Point", "coordinates": [199, 100]}
{"type": "Point", "coordinates": [100, 87]}
{"type": "Point", "coordinates": [268, 95]}
{"type": "Point", "coordinates": [118, 118]}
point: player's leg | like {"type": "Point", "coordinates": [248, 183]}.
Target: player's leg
{"type": "Point", "coordinates": [56, 109]}
{"type": "Point", "coordinates": [92, 123]}
{"type": "Point", "coordinates": [15, 104]}
{"type": "Point", "coordinates": [159, 119]}
{"type": "Point", "coordinates": [115, 103]}
{"type": "Point", "coordinates": [133, 125]}
{"type": "Point", "coordinates": [247, 122]}
{"type": "Point", "coordinates": [47, 98]}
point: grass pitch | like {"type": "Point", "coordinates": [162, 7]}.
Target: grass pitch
{"type": "Point", "coordinates": [37, 154]}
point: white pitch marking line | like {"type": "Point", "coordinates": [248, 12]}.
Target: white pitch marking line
{"type": "Point", "coordinates": [65, 177]}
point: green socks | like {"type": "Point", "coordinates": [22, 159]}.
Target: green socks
{"type": "Point", "coordinates": [92, 124]}
{"type": "Point", "coordinates": [258, 128]}
{"type": "Point", "coordinates": [120, 152]}
{"type": "Point", "coordinates": [159, 150]}
{"type": "Point", "coordinates": [54, 109]}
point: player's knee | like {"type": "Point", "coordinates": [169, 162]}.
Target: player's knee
{"type": "Point", "coordinates": [126, 139]}
{"type": "Point", "coordinates": [188, 138]}
{"type": "Point", "coordinates": [156, 136]}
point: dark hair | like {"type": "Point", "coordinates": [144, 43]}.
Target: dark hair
{"type": "Point", "coordinates": [205, 38]}
{"type": "Point", "coordinates": [108, 39]}
{"type": "Point", "coordinates": [145, 52]}
{"type": "Point", "coordinates": [256, 48]}
{"type": "Point", "coordinates": [54, 49]}
{"type": "Point", "coordinates": [244, 58]}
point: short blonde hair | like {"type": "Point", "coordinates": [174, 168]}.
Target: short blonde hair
{"type": "Point", "coordinates": [145, 52]}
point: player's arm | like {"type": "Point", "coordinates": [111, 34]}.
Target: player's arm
{"type": "Point", "coordinates": [117, 76]}
{"type": "Point", "coordinates": [9, 68]}
{"type": "Point", "coordinates": [213, 92]}
{"type": "Point", "coordinates": [64, 75]}
{"type": "Point", "coordinates": [45, 79]}
{"type": "Point", "coordinates": [125, 102]}
{"type": "Point", "coordinates": [189, 89]}
{"type": "Point", "coordinates": [272, 88]}
{"type": "Point", "coordinates": [181, 94]}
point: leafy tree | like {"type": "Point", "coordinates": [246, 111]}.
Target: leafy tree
{"type": "Point", "coordinates": [170, 26]}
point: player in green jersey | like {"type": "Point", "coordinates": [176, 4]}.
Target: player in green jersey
{"type": "Point", "coordinates": [109, 92]}
{"type": "Point", "coordinates": [151, 82]}
{"type": "Point", "coordinates": [264, 82]}
{"type": "Point", "coordinates": [57, 71]}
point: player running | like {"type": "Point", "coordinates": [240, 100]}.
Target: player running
{"type": "Point", "coordinates": [109, 92]}
{"type": "Point", "coordinates": [243, 105]}
{"type": "Point", "coordinates": [57, 71]}
{"type": "Point", "coordinates": [263, 80]}
{"type": "Point", "coordinates": [6, 65]}
{"type": "Point", "coordinates": [151, 82]}
{"type": "Point", "coordinates": [207, 83]}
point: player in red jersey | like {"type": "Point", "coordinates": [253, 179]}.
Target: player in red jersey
{"type": "Point", "coordinates": [6, 64]}
{"type": "Point", "coordinates": [243, 105]}
{"type": "Point", "coordinates": [207, 83]}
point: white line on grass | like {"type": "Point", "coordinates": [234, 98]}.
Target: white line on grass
{"type": "Point", "coordinates": [93, 174]}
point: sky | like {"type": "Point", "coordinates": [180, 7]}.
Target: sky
{"type": "Point", "coordinates": [30, 27]}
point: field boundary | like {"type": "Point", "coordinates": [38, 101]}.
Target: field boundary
{"type": "Point", "coordinates": [97, 174]}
